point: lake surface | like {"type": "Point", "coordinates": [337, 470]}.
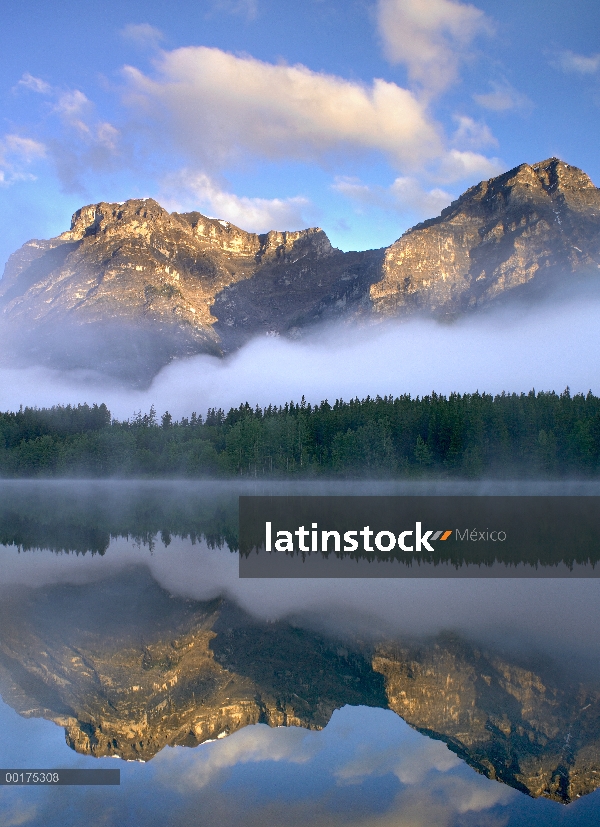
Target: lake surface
{"type": "Point", "coordinates": [128, 639]}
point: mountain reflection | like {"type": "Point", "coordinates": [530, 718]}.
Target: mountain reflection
{"type": "Point", "coordinates": [126, 668]}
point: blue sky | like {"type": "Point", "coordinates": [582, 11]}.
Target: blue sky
{"type": "Point", "coordinates": [367, 768]}
{"type": "Point", "coordinates": [360, 116]}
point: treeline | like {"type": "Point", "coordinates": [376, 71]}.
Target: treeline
{"type": "Point", "coordinates": [75, 517]}
{"type": "Point", "coordinates": [469, 435]}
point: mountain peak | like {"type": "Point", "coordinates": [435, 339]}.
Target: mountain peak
{"type": "Point", "coordinates": [556, 174]}
{"type": "Point", "coordinates": [131, 286]}
{"type": "Point", "coordinates": [531, 225]}
{"type": "Point", "coordinates": [103, 217]}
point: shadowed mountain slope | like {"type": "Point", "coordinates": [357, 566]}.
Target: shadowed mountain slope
{"type": "Point", "coordinates": [130, 286]}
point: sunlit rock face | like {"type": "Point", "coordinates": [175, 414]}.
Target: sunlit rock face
{"type": "Point", "coordinates": [128, 669]}
{"type": "Point", "coordinates": [524, 724]}
{"type": "Point", "coordinates": [131, 287]}
{"type": "Point", "coordinates": [514, 233]}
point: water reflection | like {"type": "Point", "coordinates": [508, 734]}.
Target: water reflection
{"type": "Point", "coordinates": [147, 647]}
{"type": "Point", "coordinates": [549, 535]}
{"type": "Point", "coordinates": [127, 669]}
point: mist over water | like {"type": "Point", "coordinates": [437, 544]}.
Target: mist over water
{"type": "Point", "coordinates": [558, 618]}
{"type": "Point", "coordinates": [514, 349]}
{"type": "Point", "coordinates": [551, 627]}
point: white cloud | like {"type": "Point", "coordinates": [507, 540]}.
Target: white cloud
{"type": "Point", "coordinates": [473, 134]}
{"type": "Point", "coordinates": [458, 165]}
{"type": "Point", "coordinates": [78, 113]}
{"type": "Point", "coordinates": [25, 148]}
{"type": "Point", "coordinates": [429, 36]}
{"type": "Point", "coordinates": [406, 195]}
{"type": "Point", "coordinates": [466, 795]}
{"type": "Point", "coordinates": [142, 34]}
{"type": "Point", "coordinates": [218, 106]}
{"type": "Point", "coordinates": [107, 135]}
{"type": "Point", "coordinates": [253, 744]}
{"type": "Point", "coordinates": [408, 192]}
{"type": "Point", "coordinates": [410, 762]}
{"type": "Point", "coordinates": [83, 141]}
{"type": "Point", "coordinates": [38, 85]}
{"type": "Point", "coordinates": [502, 98]}
{"type": "Point", "coordinates": [74, 108]}
{"type": "Point", "coordinates": [17, 153]}
{"type": "Point", "coordinates": [186, 190]}
{"type": "Point", "coordinates": [460, 162]}
{"type": "Point", "coordinates": [572, 62]}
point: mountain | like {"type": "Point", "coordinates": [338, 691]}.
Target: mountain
{"type": "Point", "coordinates": [517, 234]}
{"type": "Point", "coordinates": [127, 668]}
{"type": "Point", "coordinates": [129, 286]}
{"type": "Point", "coordinates": [522, 722]}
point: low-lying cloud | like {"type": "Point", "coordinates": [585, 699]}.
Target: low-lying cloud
{"type": "Point", "coordinates": [561, 616]}
{"type": "Point", "coordinates": [514, 350]}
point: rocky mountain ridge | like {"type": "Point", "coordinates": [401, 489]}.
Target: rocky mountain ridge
{"type": "Point", "coordinates": [525, 228]}
{"type": "Point", "coordinates": [127, 669]}
{"type": "Point", "coordinates": [129, 286]}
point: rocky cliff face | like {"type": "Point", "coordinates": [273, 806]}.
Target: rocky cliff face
{"type": "Point", "coordinates": [526, 229]}
{"type": "Point", "coordinates": [127, 669]}
{"type": "Point", "coordinates": [130, 287]}
{"type": "Point", "coordinates": [525, 725]}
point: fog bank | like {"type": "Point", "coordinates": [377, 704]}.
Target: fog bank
{"type": "Point", "coordinates": [514, 349]}
{"type": "Point", "coordinates": [559, 618]}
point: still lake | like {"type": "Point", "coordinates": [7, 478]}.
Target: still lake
{"type": "Point", "coordinates": [128, 639]}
